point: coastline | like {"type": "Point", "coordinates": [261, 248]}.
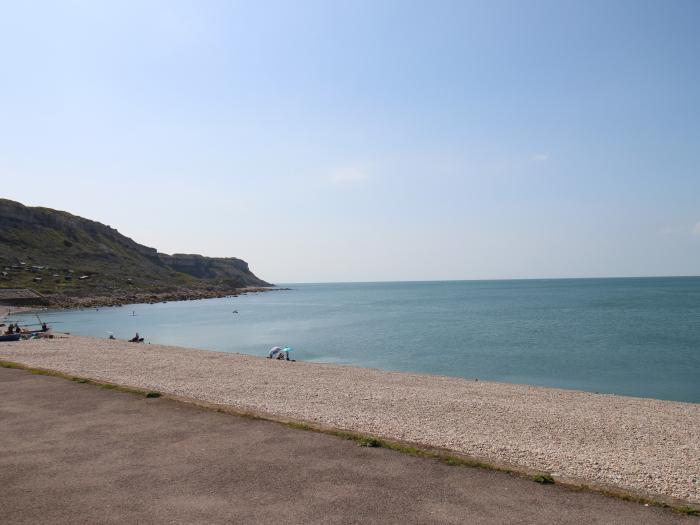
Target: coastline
{"type": "Point", "coordinates": [643, 445]}
{"type": "Point", "coordinates": [65, 302]}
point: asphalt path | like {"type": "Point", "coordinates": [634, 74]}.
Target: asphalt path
{"type": "Point", "coordinates": [77, 453]}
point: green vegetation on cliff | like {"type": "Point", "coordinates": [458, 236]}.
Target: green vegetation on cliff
{"type": "Point", "coordinates": [60, 254]}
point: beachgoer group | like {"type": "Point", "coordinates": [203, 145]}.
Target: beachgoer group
{"type": "Point", "coordinates": [280, 353]}
{"type": "Point", "coordinates": [13, 329]}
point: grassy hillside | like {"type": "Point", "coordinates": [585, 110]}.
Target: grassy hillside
{"type": "Point", "coordinates": [55, 252]}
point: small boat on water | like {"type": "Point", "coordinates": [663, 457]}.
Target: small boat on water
{"type": "Point", "coordinates": [10, 337]}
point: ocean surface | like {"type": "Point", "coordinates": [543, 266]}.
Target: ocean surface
{"type": "Point", "coordinates": [637, 337]}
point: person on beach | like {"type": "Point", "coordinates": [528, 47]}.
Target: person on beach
{"type": "Point", "coordinates": [275, 353]}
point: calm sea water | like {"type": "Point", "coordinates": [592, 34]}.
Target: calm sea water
{"type": "Point", "coordinates": [638, 337]}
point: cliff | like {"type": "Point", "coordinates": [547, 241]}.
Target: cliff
{"type": "Point", "coordinates": [63, 255]}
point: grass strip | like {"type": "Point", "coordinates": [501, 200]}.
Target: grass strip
{"type": "Point", "coordinates": [82, 380]}
{"type": "Point", "coordinates": [366, 440]}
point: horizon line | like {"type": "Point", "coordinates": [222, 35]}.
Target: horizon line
{"type": "Point", "coordinates": [496, 279]}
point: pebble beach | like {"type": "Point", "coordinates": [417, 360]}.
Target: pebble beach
{"type": "Point", "coordinates": [647, 446]}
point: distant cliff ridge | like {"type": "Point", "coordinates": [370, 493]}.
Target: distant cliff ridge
{"type": "Point", "coordinates": [204, 267]}
{"type": "Point", "coordinates": [63, 255]}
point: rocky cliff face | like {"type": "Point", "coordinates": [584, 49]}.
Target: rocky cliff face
{"type": "Point", "coordinates": [58, 249]}
{"type": "Point", "coordinates": [230, 269]}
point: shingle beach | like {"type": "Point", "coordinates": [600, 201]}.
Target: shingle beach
{"type": "Point", "coordinates": [645, 445]}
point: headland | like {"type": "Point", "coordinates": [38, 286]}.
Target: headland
{"type": "Point", "coordinates": [53, 258]}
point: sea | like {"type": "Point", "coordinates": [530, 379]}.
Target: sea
{"type": "Point", "coordinates": [627, 336]}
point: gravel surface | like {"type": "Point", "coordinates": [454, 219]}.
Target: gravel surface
{"type": "Point", "coordinates": [641, 444]}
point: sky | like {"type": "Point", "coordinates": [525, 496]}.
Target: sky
{"type": "Point", "coordinates": [365, 140]}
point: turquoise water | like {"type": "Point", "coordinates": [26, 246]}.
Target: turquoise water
{"type": "Point", "coordinates": [638, 337]}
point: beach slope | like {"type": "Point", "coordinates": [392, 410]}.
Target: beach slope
{"type": "Point", "coordinates": [642, 445]}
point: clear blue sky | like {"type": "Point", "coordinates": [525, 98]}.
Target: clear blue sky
{"type": "Point", "coordinates": [352, 140]}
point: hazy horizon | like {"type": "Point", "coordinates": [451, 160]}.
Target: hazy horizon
{"type": "Point", "coordinates": [366, 141]}
{"type": "Point", "coordinates": [578, 278]}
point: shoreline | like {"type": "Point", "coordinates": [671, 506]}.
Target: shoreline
{"type": "Point", "coordinates": [67, 302]}
{"type": "Point", "coordinates": [641, 445]}
{"type": "Point", "coordinates": [321, 364]}
{"type": "Point", "coordinates": [33, 309]}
